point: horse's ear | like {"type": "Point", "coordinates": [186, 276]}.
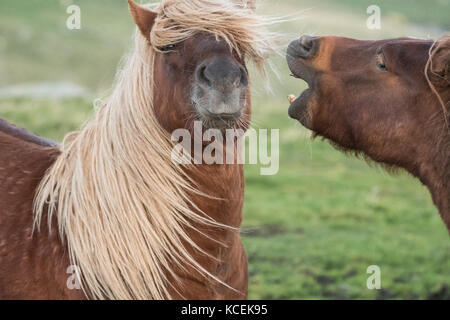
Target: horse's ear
{"type": "Point", "coordinates": [440, 62]}
{"type": "Point", "coordinates": [144, 18]}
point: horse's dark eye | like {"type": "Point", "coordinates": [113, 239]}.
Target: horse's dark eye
{"type": "Point", "coordinates": [381, 66]}
{"type": "Point", "coordinates": [380, 62]}
{"type": "Point", "coordinates": [167, 48]}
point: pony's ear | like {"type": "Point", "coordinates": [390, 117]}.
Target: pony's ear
{"type": "Point", "coordinates": [440, 61]}
{"type": "Point", "coordinates": [144, 18]}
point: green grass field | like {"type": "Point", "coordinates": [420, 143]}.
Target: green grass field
{"type": "Point", "coordinates": [310, 231]}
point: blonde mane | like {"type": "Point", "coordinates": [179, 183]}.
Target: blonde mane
{"type": "Point", "coordinates": [121, 204]}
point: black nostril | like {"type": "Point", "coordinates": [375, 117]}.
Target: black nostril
{"type": "Point", "coordinates": [203, 77]}
{"type": "Point", "coordinates": [306, 42]}
{"type": "Point", "coordinates": [305, 47]}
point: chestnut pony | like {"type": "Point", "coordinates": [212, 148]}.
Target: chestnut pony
{"type": "Point", "coordinates": [388, 100]}
{"type": "Point", "coordinates": [107, 214]}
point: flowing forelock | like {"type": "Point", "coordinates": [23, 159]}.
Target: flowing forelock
{"type": "Point", "coordinates": [236, 22]}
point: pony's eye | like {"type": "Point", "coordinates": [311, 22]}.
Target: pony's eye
{"type": "Point", "coordinates": [167, 48]}
{"type": "Point", "coordinates": [380, 62]}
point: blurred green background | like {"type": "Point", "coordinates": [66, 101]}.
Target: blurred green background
{"type": "Point", "coordinates": [310, 231]}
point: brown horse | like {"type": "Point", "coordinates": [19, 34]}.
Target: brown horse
{"type": "Point", "coordinates": [131, 223]}
{"type": "Point", "coordinates": [388, 100]}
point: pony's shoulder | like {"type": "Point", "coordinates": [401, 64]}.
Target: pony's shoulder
{"type": "Point", "coordinates": [17, 156]}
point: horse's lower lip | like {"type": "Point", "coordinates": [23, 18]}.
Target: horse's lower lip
{"type": "Point", "coordinates": [298, 108]}
{"type": "Point", "coordinates": [224, 116]}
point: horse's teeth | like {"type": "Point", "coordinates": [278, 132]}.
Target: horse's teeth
{"type": "Point", "coordinates": [291, 98]}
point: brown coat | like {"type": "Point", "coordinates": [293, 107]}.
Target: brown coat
{"type": "Point", "coordinates": [34, 266]}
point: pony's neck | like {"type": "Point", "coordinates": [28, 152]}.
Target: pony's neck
{"type": "Point", "coordinates": [225, 183]}
{"type": "Point", "coordinates": [435, 174]}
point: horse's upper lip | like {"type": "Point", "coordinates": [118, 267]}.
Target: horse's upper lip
{"type": "Point", "coordinates": [300, 68]}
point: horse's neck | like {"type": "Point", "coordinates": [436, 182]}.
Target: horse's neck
{"type": "Point", "coordinates": [24, 135]}
{"type": "Point", "coordinates": [436, 176]}
{"type": "Point", "coordinates": [443, 194]}
{"type": "Point", "coordinates": [225, 185]}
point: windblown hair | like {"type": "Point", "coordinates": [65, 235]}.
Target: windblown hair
{"type": "Point", "coordinates": [440, 44]}
{"type": "Point", "coordinates": [120, 203]}
{"type": "Point", "coordinates": [233, 21]}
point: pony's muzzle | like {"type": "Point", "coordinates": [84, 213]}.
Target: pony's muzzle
{"type": "Point", "coordinates": [222, 74]}
{"type": "Point", "coordinates": [223, 83]}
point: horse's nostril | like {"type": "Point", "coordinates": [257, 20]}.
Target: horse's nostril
{"type": "Point", "coordinates": [307, 43]}
{"type": "Point", "coordinates": [304, 47]}
{"type": "Point", "coordinates": [222, 75]}
{"type": "Point", "coordinates": [203, 77]}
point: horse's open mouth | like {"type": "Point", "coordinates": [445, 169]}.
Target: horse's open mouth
{"type": "Point", "coordinates": [299, 106]}
{"type": "Point", "coordinates": [298, 57]}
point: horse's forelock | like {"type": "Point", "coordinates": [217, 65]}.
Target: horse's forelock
{"type": "Point", "coordinates": [234, 21]}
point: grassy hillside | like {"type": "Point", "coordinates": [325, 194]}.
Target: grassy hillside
{"type": "Point", "coordinates": [310, 231]}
